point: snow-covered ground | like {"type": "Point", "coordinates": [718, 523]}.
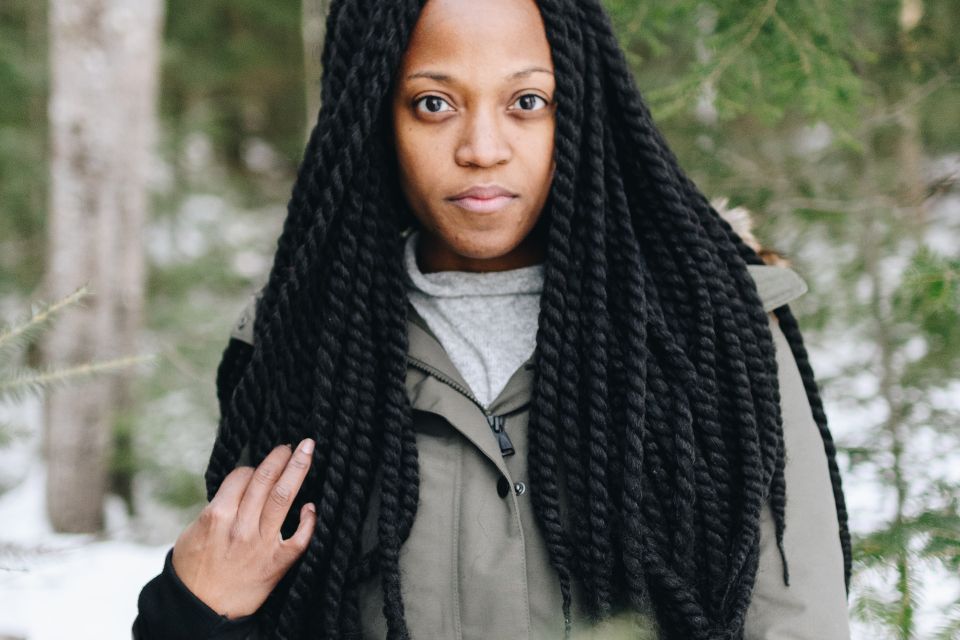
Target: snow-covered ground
{"type": "Point", "coordinates": [66, 586]}
{"type": "Point", "coordinates": [55, 586]}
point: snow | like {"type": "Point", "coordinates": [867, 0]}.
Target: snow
{"type": "Point", "coordinates": [55, 586]}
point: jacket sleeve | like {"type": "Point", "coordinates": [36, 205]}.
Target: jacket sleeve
{"type": "Point", "coordinates": [814, 606]}
{"type": "Point", "coordinates": [168, 610]}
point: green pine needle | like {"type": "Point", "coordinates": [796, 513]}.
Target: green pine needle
{"type": "Point", "coordinates": [19, 333]}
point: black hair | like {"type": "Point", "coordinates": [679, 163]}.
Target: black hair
{"type": "Point", "coordinates": [655, 428]}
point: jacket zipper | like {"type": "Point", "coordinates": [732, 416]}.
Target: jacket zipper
{"type": "Point", "coordinates": [495, 421]}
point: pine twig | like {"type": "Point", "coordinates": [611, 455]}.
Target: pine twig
{"type": "Point", "coordinates": [9, 334]}
{"type": "Point", "coordinates": [34, 382]}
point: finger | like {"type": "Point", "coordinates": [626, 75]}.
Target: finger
{"type": "Point", "coordinates": [261, 482]}
{"type": "Point", "coordinates": [294, 546]}
{"type": "Point", "coordinates": [232, 488]}
{"type": "Point", "coordinates": [281, 496]}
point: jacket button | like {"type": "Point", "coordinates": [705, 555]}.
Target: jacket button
{"type": "Point", "coordinates": [503, 487]}
{"type": "Point", "coordinates": [520, 488]}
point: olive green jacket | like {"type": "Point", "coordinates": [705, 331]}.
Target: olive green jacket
{"type": "Point", "coordinates": [475, 565]}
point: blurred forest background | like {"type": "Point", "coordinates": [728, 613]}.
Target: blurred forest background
{"type": "Point", "coordinates": [147, 150]}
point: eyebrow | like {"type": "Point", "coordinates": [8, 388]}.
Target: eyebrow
{"type": "Point", "coordinates": [443, 77]}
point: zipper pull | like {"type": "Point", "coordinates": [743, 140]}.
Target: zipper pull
{"type": "Point", "coordinates": [496, 423]}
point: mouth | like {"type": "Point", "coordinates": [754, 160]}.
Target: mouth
{"type": "Point", "coordinates": [483, 198]}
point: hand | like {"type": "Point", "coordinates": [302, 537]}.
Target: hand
{"type": "Point", "coordinates": [233, 554]}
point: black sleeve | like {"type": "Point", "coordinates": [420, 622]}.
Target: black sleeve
{"type": "Point", "coordinates": [168, 610]}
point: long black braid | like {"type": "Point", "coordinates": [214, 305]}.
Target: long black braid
{"type": "Point", "coordinates": [655, 434]}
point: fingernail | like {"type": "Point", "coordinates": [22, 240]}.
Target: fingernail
{"type": "Point", "coordinates": [307, 446]}
{"type": "Point", "coordinates": [311, 508]}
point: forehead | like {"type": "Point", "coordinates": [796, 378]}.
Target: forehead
{"type": "Point", "coordinates": [498, 36]}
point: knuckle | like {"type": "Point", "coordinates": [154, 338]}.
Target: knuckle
{"type": "Point", "coordinates": [205, 518]}
{"type": "Point", "coordinates": [212, 515]}
{"type": "Point", "coordinates": [280, 494]}
{"type": "Point", "coordinates": [299, 462]}
{"type": "Point", "coordinates": [239, 533]}
{"type": "Point", "coordinates": [265, 474]}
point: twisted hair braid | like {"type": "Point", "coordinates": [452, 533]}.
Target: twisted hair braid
{"type": "Point", "coordinates": [655, 434]}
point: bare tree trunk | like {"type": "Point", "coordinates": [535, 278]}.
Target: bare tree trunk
{"type": "Point", "coordinates": [314, 31]}
{"type": "Point", "coordinates": [913, 192]}
{"type": "Point", "coordinates": [104, 57]}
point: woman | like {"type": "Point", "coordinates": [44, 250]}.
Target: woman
{"type": "Point", "coordinates": [538, 387]}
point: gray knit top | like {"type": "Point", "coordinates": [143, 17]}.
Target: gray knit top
{"type": "Point", "coordinates": [486, 322]}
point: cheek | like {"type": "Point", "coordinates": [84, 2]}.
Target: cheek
{"type": "Point", "coordinates": [541, 160]}
{"type": "Point", "coordinates": [413, 166]}
{"type": "Point", "coordinates": [417, 153]}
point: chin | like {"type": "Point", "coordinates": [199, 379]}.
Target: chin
{"type": "Point", "coordinates": [484, 246]}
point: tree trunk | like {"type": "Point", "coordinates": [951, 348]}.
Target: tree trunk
{"type": "Point", "coordinates": [913, 190]}
{"type": "Point", "coordinates": [104, 57]}
{"type": "Point", "coordinates": [314, 31]}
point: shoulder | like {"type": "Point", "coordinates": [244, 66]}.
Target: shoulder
{"type": "Point", "coordinates": [242, 328]}
{"type": "Point", "coordinates": [814, 604]}
{"type": "Point", "coordinates": [776, 285]}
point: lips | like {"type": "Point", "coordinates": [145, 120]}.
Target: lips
{"type": "Point", "coordinates": [483, 198]}
{"type": "Point", "coordinates": [483, 192]}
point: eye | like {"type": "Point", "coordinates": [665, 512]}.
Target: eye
{"type": "Point", "coordinates": [531, 102]}
{"type": "Point", "coordinates": [433, 104]}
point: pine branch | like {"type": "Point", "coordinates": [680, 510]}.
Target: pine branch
{"type": "Point", "coordinates": [17, 334]}
{"type": "Point", "coordinates": [21, 384]}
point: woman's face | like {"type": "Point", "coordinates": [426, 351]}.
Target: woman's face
{"type": "Point", "coordinates": [473, 110]}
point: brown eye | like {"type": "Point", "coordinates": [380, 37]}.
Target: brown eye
{"type": "Point", "coordinates": [530, 102]}
{"type": "Point", "coordinates": [433, 104]}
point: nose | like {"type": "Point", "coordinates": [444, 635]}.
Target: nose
{"type": "Point", "coordinates": [483, 142]}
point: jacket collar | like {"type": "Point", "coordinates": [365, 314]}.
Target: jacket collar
{"type": "Point", "coordinates": [425, 353]}
{"type": "Point", "coordinates": [776, 285]}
